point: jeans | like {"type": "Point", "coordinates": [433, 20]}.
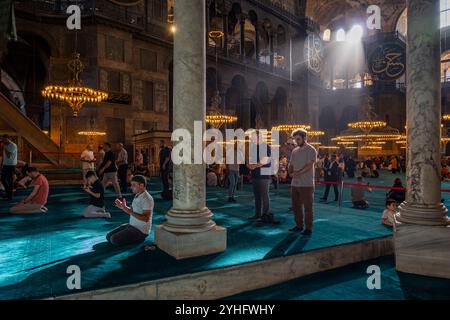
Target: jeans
{"type": "Point", "coordinates": [125, 235]}
{"type": "Point", "coordinates": [327, 191]}
{"type": "Point", "coordinates": [7, 180]}
{"type": "Point", "coordinates": [233, 177]}
{"type": "Point", "coordinates": [261, 193]}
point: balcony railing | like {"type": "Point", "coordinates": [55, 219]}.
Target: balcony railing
{"type": "Point", "coordinates": [99, 8]}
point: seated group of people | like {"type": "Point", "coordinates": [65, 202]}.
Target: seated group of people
{"type": "Point", "coordinates": [140, 211]}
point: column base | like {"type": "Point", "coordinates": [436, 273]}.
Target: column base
{"type": "Point", "coordinates": [422, 250]}
{"type": "Point", "coordinates": [188, 245]}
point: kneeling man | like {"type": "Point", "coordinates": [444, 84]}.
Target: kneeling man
{"type": "Point", "coordinates": [94, 188]}
{"type": "Point", "coordinates": [140, 212]}
{"type": "Point", "coordinates": [36, 200]}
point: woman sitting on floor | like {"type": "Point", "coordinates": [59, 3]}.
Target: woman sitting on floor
{"type": "Point", "coordinates": [397, 195]}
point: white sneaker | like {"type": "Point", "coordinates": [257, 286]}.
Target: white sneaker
{"type": "Point", "coordinates": [44, 209]}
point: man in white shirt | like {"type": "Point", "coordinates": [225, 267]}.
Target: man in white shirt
{"type": "Point", "coordinates": [301, 168]}
{"type": "Point", "coordinates": [140, 212]}
{"type": "Point", "coordinates": [87, 161]}
{"type": "Point", "coordinates": [9, 165]}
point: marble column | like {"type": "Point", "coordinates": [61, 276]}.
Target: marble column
{"type": "Point", "coordinates": [189, 230]}
{"type": "Point", "coordinates": [422, 233]}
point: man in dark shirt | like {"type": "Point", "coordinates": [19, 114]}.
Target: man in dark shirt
{"type": "Point", "coordinates": [96, 208]}
{"type": "Point", "coordinates": [165, 166]}
{"type": "Point", "coordinates": [331, 171]}
{"type": "Point", "coordinates": [109, 170]}
{"type": "Point", "coordinates": [261, 184]}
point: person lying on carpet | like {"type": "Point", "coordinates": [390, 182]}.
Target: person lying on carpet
{"type": "Point", "coordinates": [35, 202]}
{"type": "Point", "coordinates": [140, 212]}
{"type": "Point", "coordinates": [94, 188]}
{"type": "Point", "coordinates": [389, 213]}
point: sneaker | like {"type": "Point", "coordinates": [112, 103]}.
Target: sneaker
{"type": "Point", "coordinates": [296, 229]}
{"type": "Point", "coordinates": [107, 215]}
{"type": "Point", "coordinates": [307, 233]}
{"type": "Point", "coordinates": [44, 209]}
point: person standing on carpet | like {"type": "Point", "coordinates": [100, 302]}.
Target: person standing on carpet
{"type": "Point", "coordinates": [108, 170]}
{"type": "Point", "coordinates": [9, 166]}
{"type": "Point", "coordinates": [301, 168]}
{"type": "Point", "coordinates": [94, 188]}
{"type": "Point", "coordinates": [165, 168]}
{"type": "Point", "coordinates": [100, 157]}
{"type": "Point", "coordinates": [35, 202]}
{"type": "Point", "coordinates": [331, 171]}
{"type": "Point", "coordinates": [233, 173]}
{"type": "Point", "coordinates": [122, 165]}
{"type": "Point", "coordinates": [261, 184]}
{"type": "Point", "coordinates": [140, 212]}
{"type": "Point", "coordinates": [87, 161]}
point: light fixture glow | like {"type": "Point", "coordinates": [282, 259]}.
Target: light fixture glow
{"type": "Point", "coordinates": [355, 34]}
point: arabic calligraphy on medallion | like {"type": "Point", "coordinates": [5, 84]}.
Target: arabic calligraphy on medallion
{"type": "Point", "coordinates": [314, 53]}
{"type": "Point", "coordinates": [388, 61]}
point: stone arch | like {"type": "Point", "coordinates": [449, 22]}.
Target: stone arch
{"type": "Point", "coordinates": [278, 106]}
{"type": "Point", "coordinates": [27, 63]}
{"type": "Point", "coordinates": [260, 104]}
{"type": "Point", "coordinates": [327, 119]}
{"type": "Point", "coordinates": [237, 102]}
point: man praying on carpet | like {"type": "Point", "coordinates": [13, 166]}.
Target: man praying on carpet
{"type": "Point", "coordinates": [36, 200]}
{"type": "Point", "coordinates": [94, 188]}
{"type": "Point", "coordinates": [140, 212]}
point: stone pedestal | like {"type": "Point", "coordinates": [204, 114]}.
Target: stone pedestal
{"type": "Point", "coordinates": [188, 245]}
{"type": "Point", "coordinates": [422, 250]}
{"type": "Point", "coordinates": [189, 230]}
{"type": "Point", "coordinates": [421, 233]}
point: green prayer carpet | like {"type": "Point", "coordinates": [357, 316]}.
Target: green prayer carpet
{"type": "Point", "coordinates": [35, 251]}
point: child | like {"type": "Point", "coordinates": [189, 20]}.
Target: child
{"type": "Point", "coordinates": [94, 188]}
{"type": "Point", "coordinates": [389, 213]}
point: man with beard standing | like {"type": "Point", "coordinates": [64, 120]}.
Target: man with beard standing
{"type": "Point", "coordinates": [301, 168]}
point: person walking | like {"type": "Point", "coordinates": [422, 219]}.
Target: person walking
{"type": "Point", "coordinates": [122, 167]}
{"type": "Point", "coordinates": [233, 173]}
{"type": "Point", "coordinates": [108, 170]}
{"type": "Point", "coordinates": [87, 159]}
{"type": "Point", "coordinates": [301, 168]}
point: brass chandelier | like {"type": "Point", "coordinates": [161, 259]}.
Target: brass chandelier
{"type": "Point", "coordinates": [74, 94]}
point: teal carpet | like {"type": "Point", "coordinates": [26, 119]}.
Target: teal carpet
{"type": "Point", "coordinates": [350, 283]}
{"type": "Point", "coordinates": [35, 251]}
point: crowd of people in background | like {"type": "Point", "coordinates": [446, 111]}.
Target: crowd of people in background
{"type": "Point", "coordinates": [298, 165]}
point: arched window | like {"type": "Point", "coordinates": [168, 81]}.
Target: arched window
{"type": "Point", "coordinates": [445, 13]}
{"type": "Point", "coordinates": [326, 35]}
{"type": "Point", "coordinates": [445, 67]}
{"type": "Point", "coordinates": [340, 35]}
